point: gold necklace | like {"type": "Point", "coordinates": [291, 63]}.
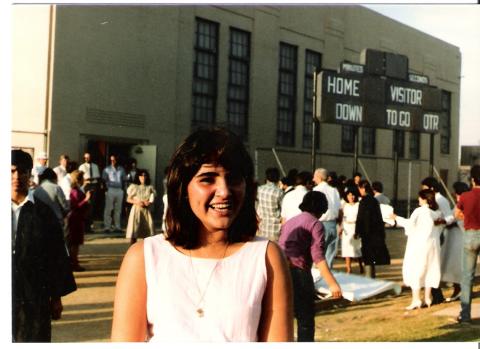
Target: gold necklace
{"type": "Point", "coordinates": [200, 312]}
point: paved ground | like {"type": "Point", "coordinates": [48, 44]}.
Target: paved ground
{"type": "Point", "coordinates": [87, 315]}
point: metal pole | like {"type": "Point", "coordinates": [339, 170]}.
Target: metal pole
{"type": "Point", "coordinates": [355, 152]}
{"type": "Point", "coordinates": [395, 173]}
{"type": "Point", "coordinates": [313, 117]}
{"type": "Point", "coordinates": [444, 186]}
{"type": "Point", "coordinates": [256, 164]}
{"type": "Point", "coordinates": [409, 194]}
{"type": "Point", "coordinates": [278, 162]}
{"type": "Point", "coordinates": [432, 148]}
{"type": "Point", "coordinates": [49, 78]}
{"type": "Point", "coordinates": [364, 170]}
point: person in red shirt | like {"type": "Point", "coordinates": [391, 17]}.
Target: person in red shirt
{"type": "Point", "coordinates": [468, 209]}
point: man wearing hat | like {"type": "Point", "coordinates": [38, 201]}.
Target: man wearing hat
{"type": "Point", "coordinates": [39, 167]}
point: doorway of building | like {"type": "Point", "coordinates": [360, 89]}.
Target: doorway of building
{"type": "Point", "coordinates": [126, 151]}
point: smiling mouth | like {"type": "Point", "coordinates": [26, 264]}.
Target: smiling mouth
{"type": "Point", "coordinates": [221, 207]}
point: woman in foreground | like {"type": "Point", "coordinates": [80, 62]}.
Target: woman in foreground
{"type": "Point", "coordinates": [209, 279]}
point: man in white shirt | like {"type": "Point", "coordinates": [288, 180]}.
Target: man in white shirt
{"type": "Point", "coordinates": [92, 183]}
{"type": "Point", "coordinates": [329, 218]}
{"type": "Point", "coordinates": [91, 173]}
{"type": "Point", "coordinates": [61, 169]}
{"type": "Point", "coordinates": [294, 198]}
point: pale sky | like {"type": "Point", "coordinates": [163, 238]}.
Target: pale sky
{"type": "Point", "coordinates": [458, 25]}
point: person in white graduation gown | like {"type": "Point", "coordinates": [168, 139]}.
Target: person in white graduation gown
{"type": "Point", "coordinates": [421, 263]}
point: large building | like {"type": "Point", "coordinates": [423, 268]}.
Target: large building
{"type": "Point", "coordinates": [137, 79]}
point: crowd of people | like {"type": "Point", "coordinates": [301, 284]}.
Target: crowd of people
{"type": "Point", "coordinates": [217, 220]}
{"type": "Point", "coordinates": [351, 216]}
{"type": "Point", "coordinates": [439, 248]}
{"type": "Point", "coordinates": [77, 193]}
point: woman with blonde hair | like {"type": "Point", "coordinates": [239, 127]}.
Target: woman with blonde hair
{"type": "Point", "coordinates": [79, 202]}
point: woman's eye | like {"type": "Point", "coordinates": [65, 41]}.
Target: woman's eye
{"type": "Point", "coordinates": [208, 180]}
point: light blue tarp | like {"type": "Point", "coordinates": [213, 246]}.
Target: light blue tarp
{"type": "Point", "coordinates": [355, 287]}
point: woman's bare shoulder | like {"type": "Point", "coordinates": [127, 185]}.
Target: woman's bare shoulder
{"type": "Point", "coordinates": [135, 253]}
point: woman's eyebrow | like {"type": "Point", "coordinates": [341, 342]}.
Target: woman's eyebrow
{"type": "Point", "coordinates": [207, 174]}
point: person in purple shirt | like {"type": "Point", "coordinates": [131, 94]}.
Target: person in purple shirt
{"type": "Point", "coordinates": [302, 241]}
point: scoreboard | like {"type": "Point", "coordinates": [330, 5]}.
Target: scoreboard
{"type": "Point", "coordinates": [366, 95]}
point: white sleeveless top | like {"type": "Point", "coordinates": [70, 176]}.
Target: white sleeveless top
{"type": "Point", "coordinates": [232, 302]}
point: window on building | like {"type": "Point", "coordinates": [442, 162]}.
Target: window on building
{"type": "Point", "coordinates": [399, 142]}
{"type": "Point", "coordinates": [445, 123]}
{"type": "Point", "coordinates": [414, 145]}
{"type": "Point", "coordinates": [238, 82]}
{"type": "Point", "coordinates": [287, 91]}
{"type": "Point", "coordinates": [204, 98]}
{"type": "Point", "coordinates": [313, 61]}
{"type": "Point", "coordinates": [368, 140]}
{"type": "Point", "coordinates": [348, 138]}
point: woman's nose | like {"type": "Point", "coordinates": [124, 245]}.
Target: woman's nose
{"type": "Point", "coordinates": [222, 189]}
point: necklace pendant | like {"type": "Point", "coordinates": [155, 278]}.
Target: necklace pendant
{"type": "Point", "coordinates": [200, 312]}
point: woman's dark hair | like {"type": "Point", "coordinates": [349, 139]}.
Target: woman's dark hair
{"type": "Point", "coordinates": [366, 185]}
{"type": "Point", "coordinates": [139, 172]}
{"type": "Point", "coordinates": [353, 190]}
{"type": "Point", "coordinates": [47, 174]}
{"type": "Point", "coordinates": [208, 146]}
{"type": "Point", "coordinates": [431, 183]}
{"type": "Point", "coordinates": [429, 195]}
{"type": "Point", "coordinates": [460, 187]}
{"type": "Point", "coordinates": [314, 202]}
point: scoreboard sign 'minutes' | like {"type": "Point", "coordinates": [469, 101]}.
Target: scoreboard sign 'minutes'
{"type": "Point", "coordinates": [354, 97]}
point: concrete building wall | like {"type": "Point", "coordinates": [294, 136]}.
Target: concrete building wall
{"type": "Point", "coordinates": [124, 74]}
{"type": "Point", "coordinates": [30, 50]}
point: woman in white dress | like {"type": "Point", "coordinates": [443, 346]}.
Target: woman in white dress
{"type": "Point", "coordinates": [351, 246]}
{"type": "Point", "coordinates": [208, 278]}
{"type": "Point", "coordinates": [421, 263]}
{"type": "Point", "coordinates": [142, 196]}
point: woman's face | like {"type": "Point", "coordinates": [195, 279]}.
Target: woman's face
{"type": "Point", "coordinates": [350, 198]}
{"type": "Point", "coordinates": [142, 178]}
{"type": "Point", "coordinates": [421, 201]}
{"type": "Point", "coordinates": [216, 197]}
